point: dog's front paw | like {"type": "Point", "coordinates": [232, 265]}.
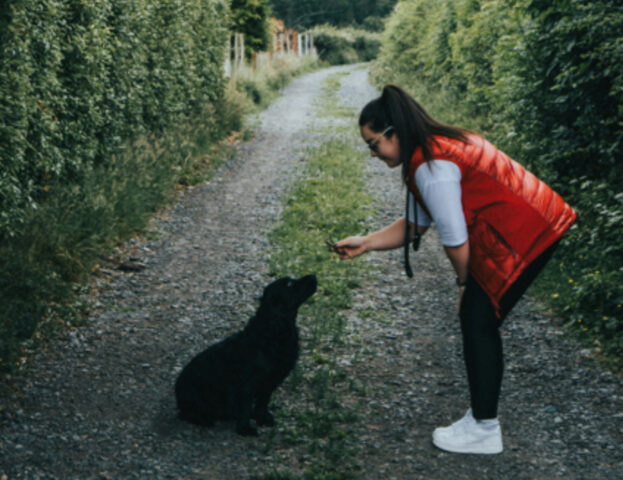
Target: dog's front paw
{"type": "Point", "coordinates": [264, 419]}
{"type": "Point", "coordinates": [246, 430]}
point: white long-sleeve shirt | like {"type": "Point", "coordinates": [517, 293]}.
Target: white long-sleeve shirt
{"type": "Point", "coordinates": [439, 184]}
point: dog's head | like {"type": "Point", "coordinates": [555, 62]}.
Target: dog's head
{"type": "Point", "coordinates": [287, 294]}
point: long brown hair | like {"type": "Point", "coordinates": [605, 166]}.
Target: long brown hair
{"type": "Point", "coordinates": [413, 125]}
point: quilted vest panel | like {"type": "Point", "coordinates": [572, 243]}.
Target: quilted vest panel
{"type": "Point", "coordinates": [511, 215]}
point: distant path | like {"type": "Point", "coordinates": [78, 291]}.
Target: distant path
{"type": "Point", "coordinates": [100, 403]}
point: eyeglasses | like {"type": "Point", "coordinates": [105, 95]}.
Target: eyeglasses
{"type": "Point", "coordinates": [374, 144]}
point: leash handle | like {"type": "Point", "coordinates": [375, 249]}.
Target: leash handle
{"type": "Point", "coordinates": [416, 237]}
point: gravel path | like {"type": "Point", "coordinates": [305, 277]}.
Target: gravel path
{"type": "Point", "coordinates": [99, 404]}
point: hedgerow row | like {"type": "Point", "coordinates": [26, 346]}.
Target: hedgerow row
{"type": "Point", "coordinates": [543, 80]}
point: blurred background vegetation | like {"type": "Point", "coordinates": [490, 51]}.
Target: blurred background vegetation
{"type": "Point", "coordinates": [361, 14]}
{"type": "Point", "coordinates": [90, 91]}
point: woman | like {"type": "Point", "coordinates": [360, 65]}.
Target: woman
{"type": "Point", "coordinates": [497, 222]}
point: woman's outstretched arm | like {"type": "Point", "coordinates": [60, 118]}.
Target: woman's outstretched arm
{"type": "Point", "coordinates": [387, 238]}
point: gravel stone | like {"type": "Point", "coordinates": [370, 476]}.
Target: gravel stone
{"type": "Point", "coordinates": [99, 403]}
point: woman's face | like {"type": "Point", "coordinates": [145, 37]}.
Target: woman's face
{"type": "Point", "coordinates": [386, 149]}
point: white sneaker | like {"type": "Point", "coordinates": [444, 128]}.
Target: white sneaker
{"type": "Point", "coordinates": [469, 435]}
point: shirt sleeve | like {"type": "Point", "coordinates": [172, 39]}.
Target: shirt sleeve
{"type": "Point", "coordinates": [439, 183]}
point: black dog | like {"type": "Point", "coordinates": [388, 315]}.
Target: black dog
{"type": "Point", "coordinates": [234, 379]}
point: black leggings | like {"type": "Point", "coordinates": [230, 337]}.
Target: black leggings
{"type": "Point", "coordinates": [482, 344]}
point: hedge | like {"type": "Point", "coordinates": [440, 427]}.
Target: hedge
{"type": "Point", "coordinates": [543, 80]}
{"type": "Point", "coordinates": [78, 79]}
{"type": "Point", "coordinates": [339, 46]}
{"type": "Point", "coordinates": [103, 105]}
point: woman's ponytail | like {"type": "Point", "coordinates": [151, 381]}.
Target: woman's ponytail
{"type": "Point", "coordinates": [412, 124]}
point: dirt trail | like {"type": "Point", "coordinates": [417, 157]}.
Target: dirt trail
{"type": "Point", "coordinates": [100, 403]}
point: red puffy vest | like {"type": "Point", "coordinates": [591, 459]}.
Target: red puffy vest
{"type": "Point", "coordinates": [511, 216]}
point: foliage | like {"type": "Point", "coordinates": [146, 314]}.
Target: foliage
{"type": "Point", "coordinates": [444, 54]}
{"type": "Point", "coordinates": [80, 79]}
{"type": "Point", "coordinates": [250, 17]}
{"type": "Point", "coordinates": [104, 107]}
{"type": "Point", "coordinates": [345, 45]}
{"type": "Point", "coordinates": [45, 265]}
{"type": "Point", "coordinates": [571, 68]}
{"type": "Point", "coordinates": [303, 14]}
{"type": "Point", "coordinates": [543, 80]}
{"type": "Point", "coordinates": [586, 285]}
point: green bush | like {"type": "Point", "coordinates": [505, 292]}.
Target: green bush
{"type": "Point", "coordinates": [96, 102]}
{"type": "Point", "coordinates": [79, 79]}
{"type": "Point", "coordinates": [592, 265]}
{"type": "Point", "coordinates": [305, 14]}
{"type": "Point", "coordinates": [568, 113]}
{"type": "Point", "coordinates": [345, 45]}
{"type": "Point", "coordinates": [444, 56]}
{"type": "Point", "coordinates": [250, 17]}
{"type": "Point", "coordinates": [544, 81]}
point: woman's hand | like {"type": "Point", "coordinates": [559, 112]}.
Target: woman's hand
{"type": "Point", "coordinates": [392, 236]}
{"type": "Point", "coordinates": [350, 247]}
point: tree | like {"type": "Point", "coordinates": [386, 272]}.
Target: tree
{"type": "Point", "coordinates": [302, 14]}
{"type": "Point", "coordinates": [250, 17]}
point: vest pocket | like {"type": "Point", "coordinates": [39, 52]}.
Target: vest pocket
{"type": "Point", "coordinates": [490, 251]}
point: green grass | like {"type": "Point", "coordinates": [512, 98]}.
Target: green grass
{"type": "Point", "coordinates": [329, 105]}
{"type": "Point", "coordinates": [329, 202]}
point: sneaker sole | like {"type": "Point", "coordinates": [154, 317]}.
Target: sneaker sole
{"type": "Point", "coordinates": [488, 450]}
{"type": "Point", "coordinates": [482, 451]}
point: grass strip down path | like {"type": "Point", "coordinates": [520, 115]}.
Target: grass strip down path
{"type": "Point", "coordinates": [328, 202]}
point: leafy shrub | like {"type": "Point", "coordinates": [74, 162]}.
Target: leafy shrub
{"type": "Point", "coordinates": [444, 56]}
{"type": "Point", "coordinates": [544, 81]}
{"type": "Point", "coordinates": [304, 14]}
{"type": "Point", "coordinates": [567, 116]}
{"type": "Point", "coordinates": [345, 45]}
{"type": "Point", "coordinates": [592, 265]}
{"type": "Point", "coordinates": [250, 17]}
{"type": "Point", "coordinates": [96, 102]}
{"type": "Point", "coordinates": [79, 79]}
{"type": "Point", "coordinates": [373, 23]}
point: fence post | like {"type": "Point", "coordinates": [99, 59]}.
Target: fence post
{"type": "Point", "coordinates": [235, 64]}
{"type": "Point", "coordinates": [228, 57]}
{"type": "Point", "coordinates": [241, 48]}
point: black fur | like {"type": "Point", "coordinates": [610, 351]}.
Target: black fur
{"type": "Point", "coordinates": [234, 379]}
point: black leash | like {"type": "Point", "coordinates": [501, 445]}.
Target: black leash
{"type": "Point", "coordinates": [416, 237]}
